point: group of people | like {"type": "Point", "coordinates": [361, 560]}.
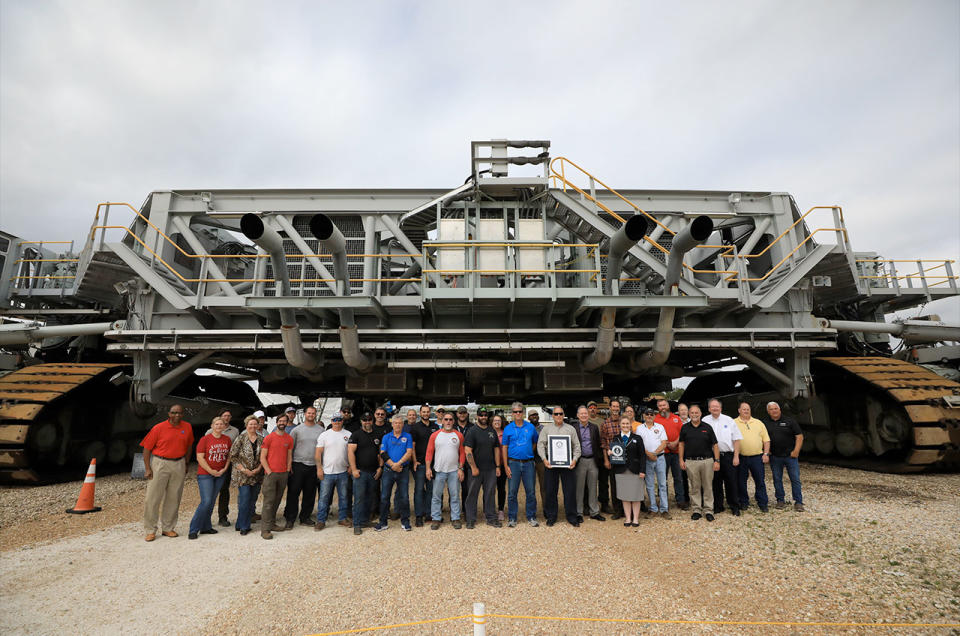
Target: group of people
{"type": "Point", "coordinates": [611, 465]}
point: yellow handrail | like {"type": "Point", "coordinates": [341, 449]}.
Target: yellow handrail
{"type": "Point", "coordinates": [792, 252]}
{"type": "Point", "coordinates": [562, 177]}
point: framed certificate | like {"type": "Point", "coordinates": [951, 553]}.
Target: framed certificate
{"type": "Point", "coordinates": [558, 451]}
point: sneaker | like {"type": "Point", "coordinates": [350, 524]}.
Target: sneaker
{"type": "Point", "coordinates": [406, 526]}
{"type": "Point", "coordinates": [434, 525]}
{"type": "Point", "coordinates": [534, 524]}
{"type": "Point", "coordinates": [495, 524]}
{"type": "Point", "coordinates": [780, 505]}
{"type": "Point", "coordinates": [266, 535]}
{"type": "Point", "coordinates": [598, 517]}
{"type": "Point", "coordinates": [708, 517]}
{"type": "Point", "coordinates": [798, 507]}
{"type": "Point", "coordinates": [208, 531]}
{"type": "Point", "coordinates": [419, 521]}
{"type": "Point", "coordinates": [456, 524]}
{"type": "Point", "coordinates": [696, 516]}
{"type": "Point", "coordinates": [224, 523]}
{"type": "Point", "coordinates": [470, 525]}
{"type": "Point", "coordinates": [357, 530]}
{"type": "Point", "coordinates": [318, 526]}
{"type": "Point", "coordinates": [666, 514]}
{"type": "Point", "coordinates": [192, 535]}
{"type": "Point", "coordinates": [512, 524]}
{"type": "Point", "coordinates": [380, 527]}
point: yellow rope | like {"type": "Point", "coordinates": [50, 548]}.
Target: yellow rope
{"type": "Point", "coordinates": [481, 619]}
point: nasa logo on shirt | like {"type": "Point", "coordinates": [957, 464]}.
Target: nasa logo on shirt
{"type": "Point", "coordinates": [456, 440]}
{"type": "Point", "coordinates": [403, 440]}
{"type": "Point", "coordinates": [346, 437]}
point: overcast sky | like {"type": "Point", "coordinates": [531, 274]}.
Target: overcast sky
{"type": "Point", "coordinates": [853, 103]}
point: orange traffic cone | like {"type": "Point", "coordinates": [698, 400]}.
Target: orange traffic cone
{"type": "Point", "coordinates": [85, 500]}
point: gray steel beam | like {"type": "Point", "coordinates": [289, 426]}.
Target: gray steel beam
{"type": "Point", "coordinates": [198, 248]}
{"type": "Point", "coordinates": [301, 244]}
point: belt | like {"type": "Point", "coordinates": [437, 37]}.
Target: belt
{"type": "Point", "coordinates": [169, 459]}
{"type": "Point", "coordinates": [586, 456]}
{"type": "Point", "coordinates": [690, 458]}
{"type": "Point", "coordinates": [514, 459]}
{"type": "Point", "coordinates": [726, 452]}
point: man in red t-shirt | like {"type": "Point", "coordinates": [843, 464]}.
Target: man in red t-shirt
{"type": "Point", "coordinates": [672, 424]}
{"type": "Point", "coordinates": [165, 450]}
{"type": "Point", "coordinates": [276, 457]}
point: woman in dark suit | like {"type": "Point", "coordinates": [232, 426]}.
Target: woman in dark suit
{"type": "Point", "coordinates": [626, 460]}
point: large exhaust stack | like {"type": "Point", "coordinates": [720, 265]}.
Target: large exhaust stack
{"type": "Point", "coordinates": [626, 237]}
{"type": "Point", "coordinates": [697, 232]}
{"type": "Point", "coordinates": [267, 238]}
{"type": "Point", "coordinates": [331, 239]}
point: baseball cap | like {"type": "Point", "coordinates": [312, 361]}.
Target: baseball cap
{"type": "Point", "coordinates": [259, 414]}
{"type": "Point", "coordinates": [336, 418]}
{"type": "Point", "coordinates": [649, 411]}
{"type": "Point", "coordinates": [462, 409]}
{"type": "Point", "coordinates": [367, 415]}
{"type": "Point", "coordinates": [482, 411]}
{"type": "Point", "coordinates": [591, 403]}
{"type": "Point", "coordinates": [290, 409]}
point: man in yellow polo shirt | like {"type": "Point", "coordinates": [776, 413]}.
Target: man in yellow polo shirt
{"type": "Point", "coordinates": [754, 453]}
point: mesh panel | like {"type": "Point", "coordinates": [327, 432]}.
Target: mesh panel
{"type": "Point", "coordinates": [297, 269]}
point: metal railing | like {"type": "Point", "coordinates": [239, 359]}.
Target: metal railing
{"type": "Point", "coordinates": [886, 271]}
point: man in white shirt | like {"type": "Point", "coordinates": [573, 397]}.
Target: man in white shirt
{"type": "Point", "coordinates": [654, 443]}
{"type": "Point", "coordinates": [332, 467]}
{"type": "Point", "coordinates": [445, 457]}
{"type": "Point", "coordinates": [728, 440]}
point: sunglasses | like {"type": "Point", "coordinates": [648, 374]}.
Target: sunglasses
{"type": "Point", "coordinates": [558, 412]}
{"type": "Point", "coordinates": [518, 411]}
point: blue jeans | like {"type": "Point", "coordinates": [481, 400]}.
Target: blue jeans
{"type": "Point", "coordinates": [453, 489]}
{"type": "Point", "coordinates": [209, 489]}
{"type": "Point", "coordinates": [792, 465]}
{"type": "Point", "coordinates": [751, 465]}
{"type": "Point", "coordinates": [364, 491]}
{"type": "Point", "coordinates": [526, 472]}
{"type": "Point", "coordinates": [338, 481]}
{"type": "Point", "coordinates": [673, 465]}
{"type": "Point", "coordinates": [657, 470]}
{"type": "Point", "coordinates": [402, 481]}
{"type": "Point", "coordinates": [422, 492]}
{"type": "Point", "coordinates": [246, 502]}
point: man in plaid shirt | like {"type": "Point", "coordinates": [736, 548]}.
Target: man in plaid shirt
{"type": "Point", "coordinates": [609, 429]}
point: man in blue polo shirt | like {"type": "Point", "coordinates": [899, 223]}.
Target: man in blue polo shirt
{"type": "Point", "coordinates": [396, 450]}
{"type": "Point", "coordinates": [519, 440]}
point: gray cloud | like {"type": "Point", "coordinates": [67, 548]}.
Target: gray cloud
{"type": "Point", "coordinates": [852, 103]}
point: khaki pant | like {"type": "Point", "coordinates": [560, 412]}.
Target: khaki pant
{"type": "Point", "coordinates": [273, 486]}
{"type": "Point", "coordinates": [700, 476]}
{"type": "Point", "coordinates": [166, 487]}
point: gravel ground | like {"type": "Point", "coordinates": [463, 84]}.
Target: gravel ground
{"type": "Point", "coordinates": [870, 548]}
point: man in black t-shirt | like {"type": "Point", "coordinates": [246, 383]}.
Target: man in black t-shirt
{"type": "Point", "coordinates": [786, 440]}
{"type": "Point", "coordinates": [363, 452]}
{"type": "Point", "coordinates": [421, 432]}
{"type": "Point", "coordinates": [700, 458]}
{"type": "Point", "coordinates": [481, 445]}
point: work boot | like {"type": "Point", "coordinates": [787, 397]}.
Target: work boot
{"type": "Point", "coordinates": [780, 505]}
{"type": "Point", "coordinates": [344, 522]}
{"type": "Point", "coordinates": [419, 522]}
{"type": "Point", "coordinates": [319, 526]}
{"type": "Point", "coordinates": [288, 525]}
{"type": "Point", "coordinates": [224, 523]}
{"type": "Point", "coordinates": [266, 535]}
{"type": "Point", "coordinates": [798, 507]}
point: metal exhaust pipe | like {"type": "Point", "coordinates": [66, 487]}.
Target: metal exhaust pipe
{"type": "Point", "coordinates": [689, 237]}
{"type": "Point", "coordinates": [331, 239]}
{"type": "Point", "coordinates": [626, 237]}
{"type": "Point", "coordinates": [266, 237]}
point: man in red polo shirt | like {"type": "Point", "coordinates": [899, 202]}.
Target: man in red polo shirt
{"type": "Point", "coordinates": [276, 457]}
{"type": "Point", "coordinates": [672, 424]}
{"type": "Point", "coordinates": [165, 451]}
